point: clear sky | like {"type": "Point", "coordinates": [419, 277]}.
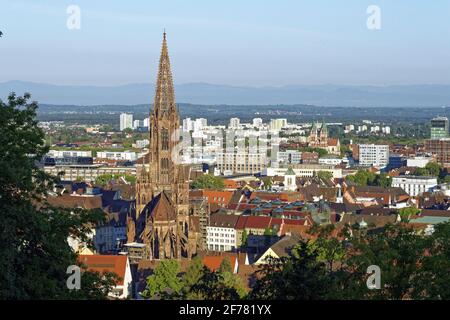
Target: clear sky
{"type": "Point", "coordinates": [236, 42]}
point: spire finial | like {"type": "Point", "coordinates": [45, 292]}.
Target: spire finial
{"type": "Point", "coordinates": [164, 34]}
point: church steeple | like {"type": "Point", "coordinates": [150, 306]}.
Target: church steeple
{"type": "Point", "coordinates": [164, 97]}
{"type": "Point", "coordinates": [162, 186]}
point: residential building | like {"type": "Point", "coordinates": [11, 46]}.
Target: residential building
{"type": "Point", "coordinates": [141, 143]}
{"type": "Point", "coordinates": [86, 172]}
{"type": "Point", "coordinates": [330, 160]}
{"type": "Point", "coordinates": [289, 157]}
{"type": "Point", "coordinates": [241, 161]}
{"type": "Point", "coordinates": [126, 121]}
{"type": "Point", "coordinates": [419, 162]}
{"type": "Point", "coordinates": [234, 123]}
{"type": "Point", "coordinates": [279, 249]}
{"type": "Point", "coordinates": [221, 232]}
{"type": "Point", "coordinates": [277, 124]}
{"type": "Point", "coordinates": [414, 185]}
{"type": "Point", "coordinates": [113, 155]}
{"type": "Point", "coordinates": [304, 170]}
{"type": "Point", "coordinates": [373, 155]}
{"type": "Point", "coordinates": [118, 264]}
{"type": "Point", "coordinates": [257, 122]}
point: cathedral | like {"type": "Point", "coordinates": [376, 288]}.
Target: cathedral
{"type": "Point", "coordinates": [161, 221]}
{"type": "Point", "coordinates": [318, 138]}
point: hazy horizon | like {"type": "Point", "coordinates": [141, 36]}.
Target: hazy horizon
{"type": "Point", "coordinates": [251, 43]}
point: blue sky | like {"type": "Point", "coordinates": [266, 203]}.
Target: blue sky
{"type": "Point", "coordinates": [251, 42]}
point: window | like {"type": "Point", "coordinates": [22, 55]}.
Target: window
{"type": "Point", "coordinates": [164, 165]}
{"type": "Point", "coordinates": [165, 139]}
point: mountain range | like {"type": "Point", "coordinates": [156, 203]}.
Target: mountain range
{"type": "Point", "coordinates": [428, 95]}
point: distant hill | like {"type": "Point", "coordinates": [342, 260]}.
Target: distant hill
{"type": "Point", "coordinates": [203, 93]}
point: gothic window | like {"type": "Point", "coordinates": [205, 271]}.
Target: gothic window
{"type": "Point", "coordinates": [164, 165]}
{"type": "Point", "coordinates": [165, 139]}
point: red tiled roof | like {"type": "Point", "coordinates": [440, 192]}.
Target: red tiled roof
{"type": "Point", "coordinates": [213, 262]}
{"type": "Point", "coordinates": [105, 263]}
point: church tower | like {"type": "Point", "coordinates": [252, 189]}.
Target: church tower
{"type": "Point", "coordinates": [162, 186]}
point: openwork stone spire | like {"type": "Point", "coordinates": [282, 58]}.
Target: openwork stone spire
{"type": "Point", "coordinates": [164, 96]}
{"type": "Point", "coordinates": [162, 186]}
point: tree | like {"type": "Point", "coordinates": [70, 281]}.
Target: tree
{"type": "Point", "coordinates": [267, 181]}
{"type": "Point", "coordinates": [165, 281]}
{"type": "Point", "coordinates": [367, 178]}
{"type": "Point", "coordinates": [244, 238]}
{"type": "Point", "coordinates": [325, 175]}
{"type": "Point", "coordinates": [398, 251]}
{"type": "Point", "coordinates": [383, 180]}
{"type": "Point", "coordinates": [301, 276]}
{"type": "Point", "coordinates": [225, 266]}
{"type": "Point", "coordinates": [35, 253]}
{"type": "Point", "coordinates": [321, 152]}
{"type": "Point", "coordinates": [269, 232]}
{"type": "Point", "coordinates": [413, 266]}
{"type": "Point", "coordinates": [208, 181]}
{"type": "Point", "coordinates": [407, 213]}
{"type": "Point", "coordinates": [212, 286]}
{"type": "Point", "coordinates": [433, 169]}
{"type": "Point", "coordinates": [192, 275]}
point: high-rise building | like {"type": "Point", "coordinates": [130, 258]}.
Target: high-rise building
{"type": "Point", "coordinates": [440, 149]}
{"type": "Point", "coordinates": [439, 128]}
{"type": "Point", "coordinates": [257, 122]}
{"type": "Point", "coordinates": [200, 123]}
{"type": "Point", "coordinates": [126, 121]}
{"type": "Point", "coordinates": [234, 123]}
{"type": "Point", "coordinates": [277, 124]}
{"type": "Point", "coordinates": [373, 155]}
{"type": "Point", "coordinates": [162, 188]}
{"type": "Point", "coordinates": [136, 124]}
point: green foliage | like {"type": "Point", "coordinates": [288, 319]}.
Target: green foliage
{"type": "Point", "coordinates": [413, 266]}
{"type": "Point", "coordinates": [244, 238]}
{"type": "Point", "coordinates": [269, 232]}
{"type": "Point", "coordinates": [267, 182]}
{"type": "Point", "coordinates": [197, 283]}
{"type": "Point", "coordinates": [383, 180]}
{"type": "Point", "coordinates": [34, 251]}
{"type": "Point", "coordinates": [345, 150]}
{"type": "Point", "coordinates": [435, 170]}
{"type": "Point", "coordinates": [208, 181]}
{"type": "Point", "coordinates": [406, 213]}
{"type": "Point", "coordinates": [164, 281]}
{"type": "Point", "coordinates": [367, 178]}
{"type": "Point", "coordinates": [192, 275]}
{"type": "Point", "coordinates": [225, 266]}
{"type": "Point", "coordinates": [214, 286]}
{"type": "Point", "coordinates": [325, 175]}
{"type": "Point", "coordinates": [301, 276]}
{"type": "Point", "coordinates": [320, 151]}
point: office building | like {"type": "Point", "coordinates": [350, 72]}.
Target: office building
{"type": "Point", "coordinates": [439, 128]}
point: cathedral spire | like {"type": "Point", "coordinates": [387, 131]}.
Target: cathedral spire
{"type": "Point", "coordinates": [164, 96]}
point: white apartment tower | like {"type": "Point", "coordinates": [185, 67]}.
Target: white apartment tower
{"type": "Point", "coordinates": [126, 121]}
{"type": "Point", "coordinates": [376, 155]}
